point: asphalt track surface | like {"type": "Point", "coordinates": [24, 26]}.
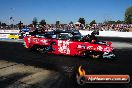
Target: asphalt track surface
{"type": "Point", "coordinates": [66, 66]}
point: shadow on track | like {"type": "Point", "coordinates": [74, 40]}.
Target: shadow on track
{"type": "Point", "coordinates": [10, 80]}
{"type": "Point", "coordinates": [65, 65]}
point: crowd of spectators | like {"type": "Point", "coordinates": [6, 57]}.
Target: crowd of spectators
{"type": "Point", "coordinates": [110, 27]}
{"type": "Point", "coordinates": [100, 27]}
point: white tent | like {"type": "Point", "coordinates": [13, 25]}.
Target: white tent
{"type": "Point", "coordinates": [77, 23]}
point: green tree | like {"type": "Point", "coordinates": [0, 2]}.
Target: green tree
{"type": "Point", "coordinates": [92, 22]}
{"type": "Point", "coordinates": [71, 22]}
{"type": "Point", "coordinates": [34, 22]}
{"type": "Point", "coordinates": [12, 26]}
{"type": "Point", "coordinates": [114, 22]}
{"type": "Point", "coordinates": [110, 22]}
{"type": "Point", "coordinates": [42, 22]}
{"type": "Point", "coordinates": [119, 22]}
{"type": "Point", "coordinates": [0, 23]}
{"type": "Point", "coordinates": [20, 25]}
{"type": "Point", "coordinates": [57, 23]}
{"type": "Point", "coordinates": [87, 26]}
{"type": "Point", "coordinates": [81, 20]}
{"type": "Point", "coordinates": [128, 15]}
{"type": "Point", "coordinates": [3, 24]}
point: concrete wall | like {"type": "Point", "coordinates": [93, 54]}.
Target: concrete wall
{"type": "Point", "coordinates": [109, 33]}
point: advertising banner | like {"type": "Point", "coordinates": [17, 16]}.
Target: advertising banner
{"type": "Point", "coordinates": [9, 31]}
{"type": "Point", "coordinates": [4, 35]}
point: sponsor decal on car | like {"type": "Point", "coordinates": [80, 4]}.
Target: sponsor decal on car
{"type": "Point", "coordinates": [63, 46]}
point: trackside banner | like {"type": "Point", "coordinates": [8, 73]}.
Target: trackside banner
{"type": "Point", "coordinates": [4, 35]}
{"type": "Point", "coordinates": [9, 31]}
{"type": "Point", "coordinates": [109, 33]}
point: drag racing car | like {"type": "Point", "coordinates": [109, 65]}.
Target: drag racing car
{"type": "Point", "coordinates": [69, 43]}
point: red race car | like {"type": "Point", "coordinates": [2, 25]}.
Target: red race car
{"type": "Point", "coordinates": [69, 43]}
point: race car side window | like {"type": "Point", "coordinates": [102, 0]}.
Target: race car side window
{"type": "Point", "coordinates": [63, 36]}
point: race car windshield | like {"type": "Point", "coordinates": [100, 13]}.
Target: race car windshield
{"type": "Point", "coordinates": [64, 36]}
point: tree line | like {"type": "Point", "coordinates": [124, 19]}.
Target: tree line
{"type": "Point", "coordinates": [127, 20]}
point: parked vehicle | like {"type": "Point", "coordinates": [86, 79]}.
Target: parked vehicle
{"type": "Point", "coordinates": [13, 36]}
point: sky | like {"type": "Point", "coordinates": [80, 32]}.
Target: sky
{"type": "Point", "coordinates": [62, 10]}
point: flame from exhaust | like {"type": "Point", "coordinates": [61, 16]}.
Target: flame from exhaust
{"type": "Point", "coordinates": [81, 71]}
